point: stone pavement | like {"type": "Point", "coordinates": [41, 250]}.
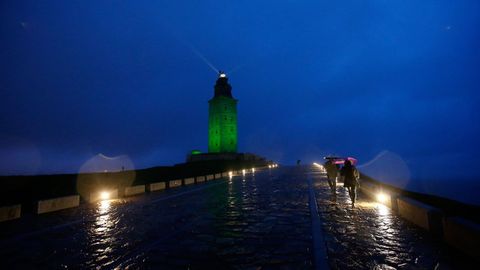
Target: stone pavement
{"type": "Point", "coordinates": [259, 221]}
{"type": "Point", "coordinates": [256, 221]}
{"type": "Point", "coordinates": [370, 236]}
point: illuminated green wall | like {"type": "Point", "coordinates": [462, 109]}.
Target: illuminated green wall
{"type": "Point", "coordinates": [222, 125]}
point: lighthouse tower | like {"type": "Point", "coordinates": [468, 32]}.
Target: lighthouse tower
{"type": "Point", "coordinates": [222, 118]}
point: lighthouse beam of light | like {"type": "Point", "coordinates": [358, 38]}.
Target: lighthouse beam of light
{"type": "Point", "coordinates": [181, 38]}
{"type": "Point", "coordinates": [203, 58]}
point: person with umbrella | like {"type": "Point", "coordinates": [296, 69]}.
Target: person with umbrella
{"type": "Point", "coordinates": [332, 173]}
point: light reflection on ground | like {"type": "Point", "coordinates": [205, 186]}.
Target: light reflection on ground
{"type": "Point", "coordinates": [383, 211]}
{"type": "Point", "coordinates": [261, 221]}
{"type": "Point", "coordinates": [230, 198]}
{"type": "Point", "coordinates": [102, 233]}
{"type": "Point", "coordinates": [369, 236]}
{"type": "Point", "coordinates": [103, 222]}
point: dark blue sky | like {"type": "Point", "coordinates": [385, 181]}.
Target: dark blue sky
{"type": "Point", "coordinates": [358, 78]}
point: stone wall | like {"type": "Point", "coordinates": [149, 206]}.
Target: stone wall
{"type": "Point", "coordinates": [421, 214]}
{"type": "Point", "coordinates": [10, 212]}
{"type": "Point", "coordinates": [50, 205]}
{"type": "Point", "coordinates": [189, 181]}
{"type": "Point", "coordinates": [200, 179]}
{"type": "Point", "coordinates": [157, 186]}
{"type": "Point", "coordinates": [462, 234]}
{"type": "Point", "coordinates": [135, 190]}
{"type": "Point", "coordinates": [174, 183]}
{"type": "Point", "coordinates": [458, 232]}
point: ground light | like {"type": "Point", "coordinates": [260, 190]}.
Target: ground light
{"type": "Point", "coordinates": [382, 197]}
{"type": "Point", "coordinates": [253, 170]}
{"type": "Point", "coordinates": [104, 195]}
{"type": "Point", "coordinates": [243, 172]}
{"type": "Point", "coordinates": [230, 174]}
{"type": "Point", "coordinates": [320, 166]}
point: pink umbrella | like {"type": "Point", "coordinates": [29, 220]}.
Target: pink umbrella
{"type": "Point", "coordinates": [339, 160]}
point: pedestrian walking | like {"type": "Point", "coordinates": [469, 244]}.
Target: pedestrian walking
{"type": "Point", "coordinates": [350, 175]}
{"type": "Point", "coordinates": [332, 174]}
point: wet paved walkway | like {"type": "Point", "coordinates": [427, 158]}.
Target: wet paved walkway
{"type": "Point", "coordinates": [371, 236]}
{"type": "Point", "coordinates": [259, 221]}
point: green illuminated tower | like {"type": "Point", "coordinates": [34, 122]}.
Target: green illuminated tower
{"type": "Point", "coordinates": [222, 118]}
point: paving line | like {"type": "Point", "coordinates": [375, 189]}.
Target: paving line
{"type": "Point", "coordinates": [319, 249]}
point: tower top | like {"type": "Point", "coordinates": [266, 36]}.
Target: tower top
{"type": "Point", "coordinates": [222, 87]}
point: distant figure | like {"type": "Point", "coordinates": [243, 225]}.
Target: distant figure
{"type": "Point", "coordinates": [350, 175]}
{"type": "Point", "coordinates": [332, 174]}
{"type": "Point", "coordinates": [298, 162]}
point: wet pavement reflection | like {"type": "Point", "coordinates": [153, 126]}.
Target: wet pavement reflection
{"type": "Point", "coordinates": [102, 235]}
{"type": "Point", "coordinates": [257, 220]}
{"type": "Point", "coordinates": [371, 236]}
{"type": "Point", "coordinates": [251, 221]}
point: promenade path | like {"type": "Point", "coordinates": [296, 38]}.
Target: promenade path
{"type": "Point", "coordinates": [256, 221]}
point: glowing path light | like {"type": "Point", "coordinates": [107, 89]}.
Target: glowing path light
{"type": "Point", "coordinates": [382, 197]}
{"type": "Point", "coordinates": [319, 166]}
{"type": "Point", "coordinates": [104, 195]}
